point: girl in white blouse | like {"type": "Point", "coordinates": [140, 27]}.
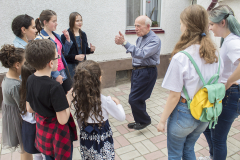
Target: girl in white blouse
{"type": "Point", "coordinates": [223, 24]}
{"type": "Point", "coordinates": [183, 129]}
{"type": "Point", "coordinates": [93, 108]}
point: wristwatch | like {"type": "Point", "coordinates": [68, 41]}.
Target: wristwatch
{"type": "Point", "coordinates": [124, 43]}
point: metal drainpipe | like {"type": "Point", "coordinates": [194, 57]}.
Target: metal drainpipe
{"type": "Point", "coordinates": [212, 5]}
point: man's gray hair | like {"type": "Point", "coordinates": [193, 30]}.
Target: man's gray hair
{"type": "Point", "coordinates": [148, 21]}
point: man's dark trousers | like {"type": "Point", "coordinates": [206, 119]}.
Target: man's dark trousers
{"type": "Point", "coordinates": [142, 83]}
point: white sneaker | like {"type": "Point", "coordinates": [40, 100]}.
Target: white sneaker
{"type": "Point", "coordinates": [204, 158]}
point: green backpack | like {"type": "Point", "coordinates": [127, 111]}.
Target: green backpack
{"type": "Point", "coordinates": [206, 104]}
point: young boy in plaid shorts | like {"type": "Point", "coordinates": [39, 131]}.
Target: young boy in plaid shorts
{"type": "Point", "coordinates": [55, 127]}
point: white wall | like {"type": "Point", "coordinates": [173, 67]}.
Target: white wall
{"type": "Point", "coordinates": [234, 4]}
{"type": "Point", "coordinates": [170, 23]}
{"type": "Point", "coordinates": [102, 19]}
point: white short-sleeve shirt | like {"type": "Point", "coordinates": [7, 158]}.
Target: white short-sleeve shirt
{"type": "Point", "coordinates": [109, 107]}
{"type": "Point", "coordinates": [230, 52]}
{"type": "Point", "coordinates": [181, 72]}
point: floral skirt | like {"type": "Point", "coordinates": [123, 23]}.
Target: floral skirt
{"type": "Point", "coordinates": [96, 143]}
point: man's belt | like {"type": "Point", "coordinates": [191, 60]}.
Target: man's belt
{"type": "Point", "coordinates": [141, 67]}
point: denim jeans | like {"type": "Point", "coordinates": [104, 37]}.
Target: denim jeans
{"type": "Point", "coordinates": [217, 138]}
{"type": "Point", "coordinates": [71, 68]}
{"type": "Point", "coordinates": [183, 130]}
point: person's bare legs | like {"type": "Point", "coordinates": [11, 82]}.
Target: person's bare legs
{"type": "Point", "coordinates": [26, 156]}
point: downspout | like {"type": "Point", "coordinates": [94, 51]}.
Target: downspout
{"type": "Point", "coordinates": [212, 5]}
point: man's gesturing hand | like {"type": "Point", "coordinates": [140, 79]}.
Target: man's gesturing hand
{"type": "Point", "coordinates": [119, 39]}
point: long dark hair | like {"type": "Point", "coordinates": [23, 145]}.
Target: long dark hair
{"type": "Point", "coordinates": [72, 19]}
{"type": "Point", "coordinates": [20, 21]}
{"type": "Point", "coordinates": [86, 89]}
{"type": "Point", "coordinates": [45, 15]}
{"type": "Point", "coordinates": [26, 71]}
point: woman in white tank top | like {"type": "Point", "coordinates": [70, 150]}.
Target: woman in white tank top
{"type": "Point", "coordinates": [183, 129]}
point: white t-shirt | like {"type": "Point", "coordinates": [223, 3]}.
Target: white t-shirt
{"type": "Point", "coordinates": [109, 107]}
{"type": "Point", "coordinates": [29, 118]}
{"type": "Point", "coordinates": [181, 72]}
{"type": "Point", "coordinates": [230, 52]}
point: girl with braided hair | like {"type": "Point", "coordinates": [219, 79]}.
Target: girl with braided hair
{"type": "Point", "coordinates": [92, 109]}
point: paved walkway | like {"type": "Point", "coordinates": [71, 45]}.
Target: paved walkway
{"type": "Point", "coordinates": [147, 144]}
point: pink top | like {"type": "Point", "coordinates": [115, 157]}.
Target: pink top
{"type": "Point", "coordinates": [59, 49]}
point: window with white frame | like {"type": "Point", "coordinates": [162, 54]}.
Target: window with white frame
{"type": "Point", "coordinates": [150, 8]}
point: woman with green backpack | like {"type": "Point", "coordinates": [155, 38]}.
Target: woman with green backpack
{"type": "Point", "coordinates": [223, 24]}
{"type": "Point", "coordinates": [194, 45]}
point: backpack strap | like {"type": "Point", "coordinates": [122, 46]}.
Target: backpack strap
{"type": "Point", "coordinates": [219, 59]}
{"type": "Point", "coordinates": [195, 65]}
{"type": "Point", "coordinates": [187, 97]}
{"type": "Point", "coordinates": [215, 76]}
{"type": "Point", "coordinates": [199, 73]}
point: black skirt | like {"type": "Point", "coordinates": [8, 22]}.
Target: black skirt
{"type": "Point", "coordinates": [28, 137]}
